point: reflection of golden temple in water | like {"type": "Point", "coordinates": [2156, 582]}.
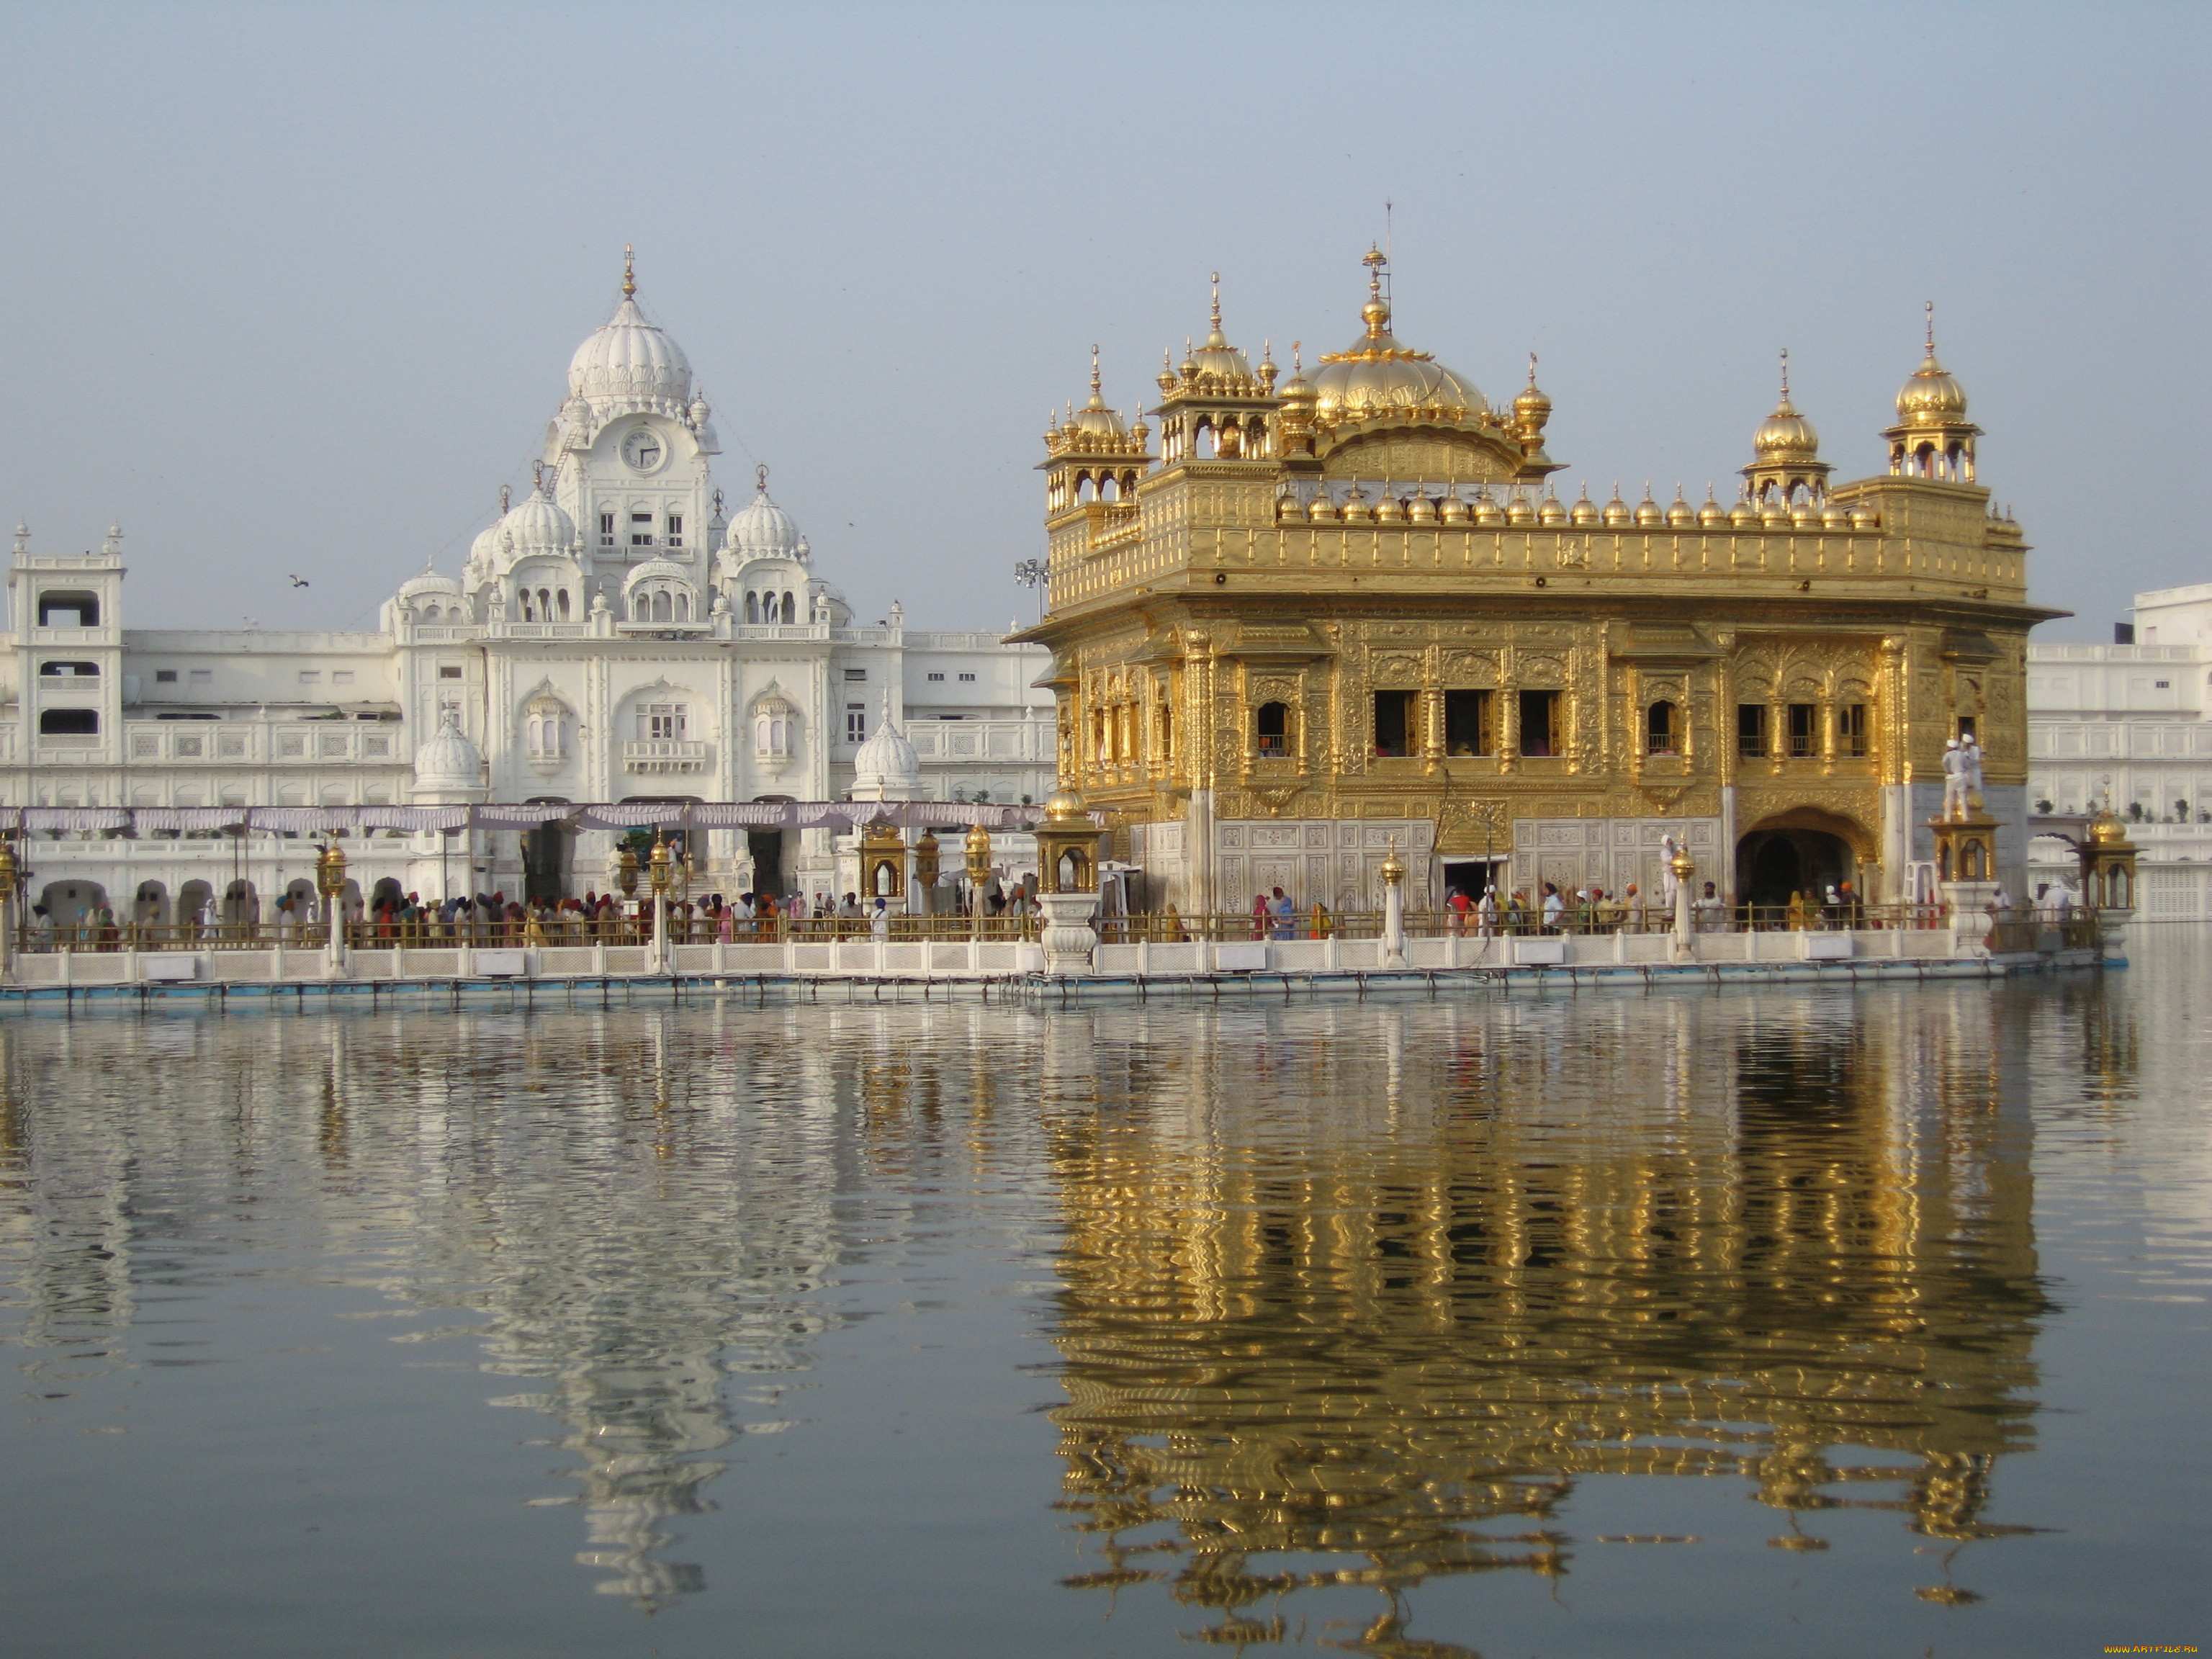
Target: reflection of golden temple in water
{"type": "Point", "coordinates": [1383, 1303]}
{"type": "Point", "coordinates": [1353, 1295]}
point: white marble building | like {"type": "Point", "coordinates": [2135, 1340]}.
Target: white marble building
{"type": "Point", "coordinates": [2131, 725]}
{"type": "Point", "coordinates": [614, 636]}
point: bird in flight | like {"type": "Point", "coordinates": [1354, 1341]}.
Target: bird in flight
{"type": "Point", "coordinates": [297, 581]}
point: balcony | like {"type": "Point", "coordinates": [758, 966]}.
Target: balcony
{"type": "Point", "coordinates": [666, 755]}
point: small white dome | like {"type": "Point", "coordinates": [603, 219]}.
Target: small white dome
{"type": "Point", "coordinates": [535, 525]}
{"type": "Point", "coordinates": [630, 358]}
{"type": "Point", "coordinates": [416, 588]}
{"type": "Point", "coordinates": [449, 760]}
{"type": "Point", "coordinates": [885, 766]}
{"type": "Point", "coordinates": [762, 530]}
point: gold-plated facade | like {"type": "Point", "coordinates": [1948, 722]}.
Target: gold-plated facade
{"type": "Point", "coordinates": [1355, 606]}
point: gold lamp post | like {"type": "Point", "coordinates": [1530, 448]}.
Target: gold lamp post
{"type": "Point", "coordinates": [1394, 908]}
{"type": "Point", "coordinates": [1683, 868]}
{"type": "Point", "coordinates": [663, 876]}
{"type": "Point", "coordinates": [330, 881]}
{"type": "Point", "coordinates": [979, 871]}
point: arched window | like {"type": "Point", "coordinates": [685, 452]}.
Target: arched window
{"type": "Point", "coordinates": [66, 671]}
{"type": "Point", "coordinates": [752, 607]}
{"type": "Point", "coordinates": [560, 604]}
{"type": "Point", "coordinates": [545, 730]}
{"type": "Point", "coordinates": [68, 722]}
{"type": "Point", "coordinates": [1274, 731]}
{"type": "Point", "coordinates": [773, 721]}
{"type": "Point", "coordinates": [790, 609]}
{"type": "Point", "coordinates": [1662, 732]}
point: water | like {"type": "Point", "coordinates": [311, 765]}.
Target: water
{"type": "Point", "coordinates": [1786, 1321]}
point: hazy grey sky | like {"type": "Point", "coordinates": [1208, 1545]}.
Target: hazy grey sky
{"type": "Point", "coordinates": [294, 288]}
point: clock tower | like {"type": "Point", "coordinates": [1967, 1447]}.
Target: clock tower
{"type": "Point", "coordinates": [628, 457]}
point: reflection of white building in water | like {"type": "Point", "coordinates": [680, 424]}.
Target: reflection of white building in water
{"type": "Point", "coordinates": [618, 635]}
{"type": "Point", "coordinates": [2131, 723]}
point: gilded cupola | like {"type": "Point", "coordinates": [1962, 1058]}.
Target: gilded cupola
{"type": "Point", "coordinates": [1214, 406]}
{"type": "Point", "coordinates": [1380, 377]}
{"type": "Point", "coordinates": [1383, 410]}
{"type": "Point", "coordinates": [1093, 454]}
{"type": "Point", "coordinates": [1786, 470]}
{"type": "Point", "coordinates": [1932, 438]}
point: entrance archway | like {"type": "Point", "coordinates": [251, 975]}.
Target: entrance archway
{"type": "Point", "coordinates": [545, 860]}
{"type": "Point", "coordinates": [70, 901]}
{"type": "Point", "coordinates": [1804, 850]}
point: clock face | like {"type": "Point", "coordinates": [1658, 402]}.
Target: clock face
{"type": "Point", "coordinates": [644, 450]}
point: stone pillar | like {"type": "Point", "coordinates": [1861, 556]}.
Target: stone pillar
{"type": "Point", "coordinates": [1967, 865]}
{"type": "Point", "coordinates": [1067, 937]}
{"type": "Point", "coordinates": [1972, 917]}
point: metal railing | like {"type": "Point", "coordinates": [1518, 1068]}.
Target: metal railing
{"type": "Point", "coordinates": [2013, 930]}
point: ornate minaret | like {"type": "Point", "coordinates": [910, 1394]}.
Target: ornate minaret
{"type": "Point", "coordinates": [1217, 407]}
{"type": "Point", "coordinates": [1786, 470]}
{"type": "Point", "coordinates": [1933, 438]}
{"type": "Point", "coordinates": [1093, 456]}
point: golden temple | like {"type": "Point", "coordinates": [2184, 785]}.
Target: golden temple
{"type": "Point", "coordinates": [1350, 606]}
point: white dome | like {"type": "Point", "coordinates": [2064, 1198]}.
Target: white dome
{"type": "Point", "coordinates": [762, 530]}
{"type": "Point", "coordinates": [449, 760]}
{"type": "Point", "coordinates": [416, 587]}
{"type": "Point", "coordinates": [485, 548]}
{"type": "Point", "coordinates": [885, 766]}
{"type": "Point", "coordinates": [535, 525]}
{"type": "Point", "coordinates": [630, 359]}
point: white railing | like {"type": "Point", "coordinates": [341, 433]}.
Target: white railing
{"type": "Point", "coordinates": [255, 743]}
{"type": "Point", "coordinates": [982, 740]}
{"type": "Point", "coordinates": [665, 755]}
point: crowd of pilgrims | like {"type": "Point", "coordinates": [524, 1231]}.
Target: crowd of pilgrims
{"type": "Point", "coordinates": [611, 916]}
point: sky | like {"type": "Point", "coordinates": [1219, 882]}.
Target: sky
{"type": "Point", "coordinates": [293, 288]}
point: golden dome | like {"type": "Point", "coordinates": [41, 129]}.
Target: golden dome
{"type": "Point", "coordinates": [2106, 831]}
{"type": "Point", "coordinates": [1532, 408]}
{"type": "Point", "coordinates": [1785, 434]}
{"type": "Point", "coordinates": [1378, 375]}
{"type": "Point", "coordinates": [1931, 397]}
{"type": "Point", "coordinates": [1066, 806]}
{"type": "Point", "coordinates": [1217, 359]}
{"type": "Point", "coordinates": [1094, 417]}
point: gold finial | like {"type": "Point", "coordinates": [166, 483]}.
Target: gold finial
{"type": "Point", "coordinates": [1532, 371]}
{"type": "Point", "coordinates": [1297, 363]}
{"type": "Point", "coordinates": [1785, 374]}
{"type": "Point", "coordinates": [629, 272]}
{"type": "Point", "coordinates": [760, 477]}
{"type": "Point", "coordinates": [1377, 311]}
{"type": "Point", "coordinates": [1217, 307]}
{"type": "Point", "coordinates": [1931, 329]}
{"type": "Point", "coordinates": [718, 503]}
{"type": "Point", "coordinates": [1097, 401]}
{"type": "Point", "coordinates": [505, 500]}
{"type": "Point", "coordinates": [537, 478]}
